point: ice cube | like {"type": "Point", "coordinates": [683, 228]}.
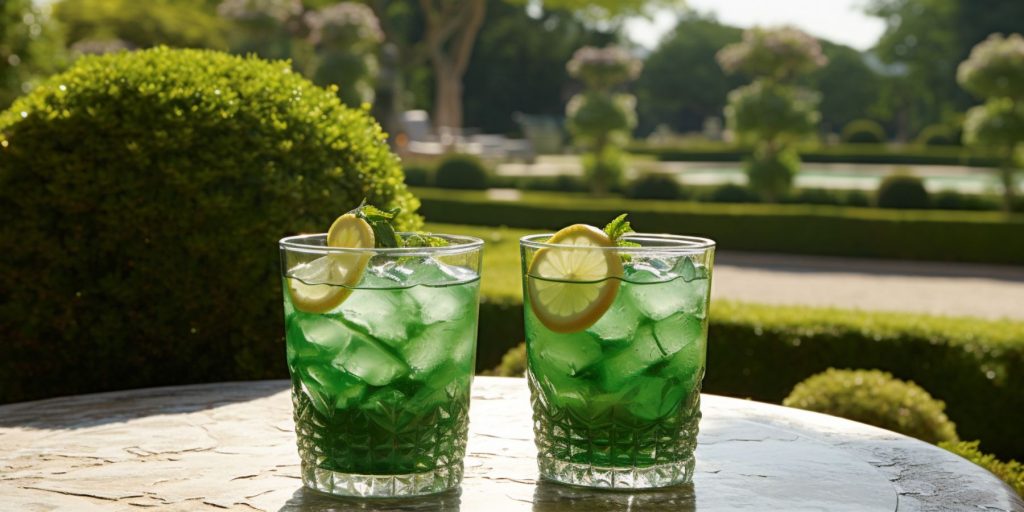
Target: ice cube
{"type": "Point", "coordinates": [617, 324]}
{"type": "Point", "coordinates": [678, 331]}
{"type": "Point", "coordinates": [641, 353]}
{"type": "Point", "coordinates": [568, 354]}
{"type": "Point", "coordinates": [339, 388]}
{"type": "Point", "coordinates": [322, 331]}
{"type": "Point", "coordinates": [385, 407]}
{"type": "Point", "coordinates": [643, 272]}
{"type": "Point", "coordinates": [371, 361]}
{"type": "Point", "coordinates": [429, 271]}
{"type": "Point", "coordinates": [652, 398]}
{"type": "Point", "coordinates": [382, 314]}
{"type": "Point", "coordinates": [443, 303]}
{"type": "Point", "coordinates": [661, 300]}
{"type": "Point", "coordinates": [436, 344]}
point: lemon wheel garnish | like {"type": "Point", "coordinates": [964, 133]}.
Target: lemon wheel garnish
{"type": "Point", "coordinates": [571, 287]}
{"type": "Point", "coordinates": [323, 284]}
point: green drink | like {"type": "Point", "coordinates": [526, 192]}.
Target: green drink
{"type": "Point", "coordinates": [617, 400]}
{"type": "Point", "coordinates": [381, 363]}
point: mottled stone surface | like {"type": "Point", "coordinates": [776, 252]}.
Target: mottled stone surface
{"type": "Point", "coordinates": [232, 446]}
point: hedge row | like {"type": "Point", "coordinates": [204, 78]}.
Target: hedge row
{"type": "Point", "coordinates": [844, 153]}
{"type": "Point", "coordinates": [980, 237]}
{"type": "Point", "coordinates": [762, 352]}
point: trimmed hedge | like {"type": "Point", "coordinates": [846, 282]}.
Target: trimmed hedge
{"type": "Point", "coordinates": [141, 198]}
{"type": "Point", "coordinates": [903, 191]}
{"type": "Point", "coordinates": [655, 186]}
{"type": "Point", "coordinates": [1011, 472]}
{"type": "Point", "coordinates": [465, 172]}
{"type": "Point", "coordinates": [876, 398]}
{"type": "Point", "coordinates": [761, 352]}
{"type": "Point", "coordinates": [863, 131]}
{"type": "Point", "coordinates": [842, 153]}
{"type": "Point", "coordinates": [797, 229]}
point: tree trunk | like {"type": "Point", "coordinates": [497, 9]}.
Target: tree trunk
{"type": "Point", "coordinates": [452, 27]}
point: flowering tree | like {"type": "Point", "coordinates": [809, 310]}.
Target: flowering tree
{"type": "Point", "coordinates": [600, 119]}
{"type": "Point", "coordinates": [346, 37]}
{"type": "Point", "coordinates": [772, 113]}
{"type": "Point", "coordinates": [995, 71]}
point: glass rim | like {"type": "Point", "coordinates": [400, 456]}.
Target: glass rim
{"type": "Point", "coordinates": [461, 244]}
{"type": "Point", "coordinates": [673, 243]}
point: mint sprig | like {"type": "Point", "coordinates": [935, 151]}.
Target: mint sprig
{"type": "Point", "coordinates": [384, 233]}
{"type": "Point", "coordinates": [619, 228]}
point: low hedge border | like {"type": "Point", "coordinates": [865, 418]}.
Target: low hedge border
{"type": "Point", "coordinates": [843, 153]}
{"type": "Point", "coordinates": [762, 352]}
{"type": "Point", "coordinates": [981, 237]}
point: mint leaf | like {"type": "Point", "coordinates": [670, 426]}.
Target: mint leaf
{"type": "Point", "coordinates": [424, 240]}
{"type": "Point", "coordinates": [380, 222]}
{"type": "Point", "coordinates": [618, 228]}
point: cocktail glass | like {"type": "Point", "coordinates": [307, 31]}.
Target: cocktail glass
{"type": "Point", "coordinates": [381, 381]}
{"type": "Point", "coordinates": [617, 403]}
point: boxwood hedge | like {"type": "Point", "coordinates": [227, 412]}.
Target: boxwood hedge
{"type": "Point", "coordinates": [141, 198]}
{"type": "Point", "coordinates": [982, 237]}
{"type": "Point", "coordinates": [842, 153]}
{"type": "Point", "coordinates": [976, 367]}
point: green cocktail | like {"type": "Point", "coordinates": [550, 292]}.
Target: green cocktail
{"type": "Point", "coordinates": [381, 363]}
{"type": "Point", "coordinates": [616, 388]}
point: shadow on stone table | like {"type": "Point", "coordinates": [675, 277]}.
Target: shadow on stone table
{"type": "Point", "coordinates": [551, 497]}
{"type": "Point", "coordinates": [305, 500]}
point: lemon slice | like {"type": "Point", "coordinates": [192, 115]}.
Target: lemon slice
{"type": "Point", "coordinates": [323, 284]}
{"type": "Point", "coordinates": [576, 284]}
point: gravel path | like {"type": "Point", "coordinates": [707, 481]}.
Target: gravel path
{"type": "Point", "coordinates": [881, 285]}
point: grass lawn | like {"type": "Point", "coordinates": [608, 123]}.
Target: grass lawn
{"type": "Point", "coordinates": [500, 278]}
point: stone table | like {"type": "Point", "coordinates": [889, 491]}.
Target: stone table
{"type": "Point", "coordinates": [232, 447]}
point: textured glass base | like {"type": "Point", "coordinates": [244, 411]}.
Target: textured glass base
{"type": "Point", "coordinates": [662, 475]}
{"type": "Point", "coordinates": [381, 486]}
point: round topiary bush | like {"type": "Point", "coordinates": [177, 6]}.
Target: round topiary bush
{"type": "Point", "coordinates": [863, 131]}
{"type": "Point", "coordinates": [875, 398]}
{"type": "Point", "coordinates": [732, 193]}
{"type": "Point", "coordinates": [465, 172]}
{"type": "Point", "coordinates": [418, 176]}
{"type": "Point", "coordinates": [655, 186]}
{"type": "Point", "coordinates": [142, 196]}
{"type": "Point", "coordinates": [902, 191]}
{"type": "Point", "coordinates": [937, 135]}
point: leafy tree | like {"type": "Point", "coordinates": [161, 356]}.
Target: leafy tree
{"type": "Point", "coordinates": [849, 87]}
{"type": "Point", "coordinates": [346, 36]}
{"type": "Point", "coordinates": [995, 71]}
{"type": "Point", "coordinates": [772, 112]}
{"type": "Point", "coordinates": [30, 47]}
{"type": "Point", "coordinates": [177, 23]}
{"type": "Point", "coordinates": [601, 119]}
{"type": "Point", "coordinates": [683, 100]}
{"type": "Point", "coordinates": [263, 27]}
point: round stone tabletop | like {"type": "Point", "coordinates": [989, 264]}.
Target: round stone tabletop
{"type": "Point", "coordinates": [232, 447]}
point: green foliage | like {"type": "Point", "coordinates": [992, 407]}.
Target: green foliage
{"type": "Point", "coordinates": [141, 197]}
{"type": "Point", "coordinates": [762, 352]}
{"type": "Point", "coordinates": [418, 175]}
{"type": "Point", "coordinates": [937, 135]}
{"type": "Point", "coordinates": [951, 200]}
{"type": "Point", "coordinates": [462, 172]}
{"type": "Point", "coordinates": [779, 54]}
{"type": "Point", "coordinates": [603, 68]}
{"type": "Point", "coordinates": [596, 118]}
{"type": "Point", "coordinates": [732, 193]}
{"type": "Point", "coordinates": [178, 23]}
{"type": "Point", "coordinates": [1011, 472]}
{"type": "Point", "coordinates": [995, 68]}
{"type": "Point", "coordinates": [849, 86]}
{"type": "Point", "coordinates": [30, 48]}
{"type": "Point", "coordinates": [789, 229]}
{"type": "Point", "coordinates": [875, 398]}
{"type": "Point", "coordinates": [560, 183]}
{"type": "Point", "coordinates": [863, 131]}
{"type": "Point", "coordinates": [764, 111]}
{"type": "Point", "coordinates": [655, 186]}
{"type": "Point", "coordinates": [262, 27]}
{"type": "Point", "coordinates": [997, 124]}
{"type": "Point", "coordinates": [770, 173]}
{"type": "Point", "coordinates": [902, 191]}
{"type": "Point", "coordinates": [513, 363]}
{"type": "Point", "coordinates": [346, 36]}
{"type": "Point", "coordinates": [604, 169]}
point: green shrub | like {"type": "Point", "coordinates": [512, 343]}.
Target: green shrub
{"type": "Point", "coordinates": [937, 135]}
{"type": "Point", "coordinates": [1011, 472]}
{"type": "Point", "coordinates": [863, 131]}
{"type": "Point", "coordinates": [418, 176]}
{"type": "Point", "coordinates": [655, 186]}
{"type": "Point", "coordinates": [857, 198]}
{"type": "Point", "coordinates": [513, 363]}
{"type": "Point", "coordinates": [952, 200]}
{"type": "Point", "coordinates": [902, 191]}
{"type": "Point", "coordinates": [560, 183]}
{"type": "Point", "coordinates": [875, 398]}
{"type": "Point", "coordinates": [974, 366]}
{"type": "Point", "coordinates": [732, 193]}
{"type": "Point", "coordinates": [842, 153]}
{"type": "Point", "coordinates": [141, 198]}
{"type": "Point", "coordinates": [791, 229]}
{"type": "Point", "coordinates": [464, 172]}
{"type": "Point", "coordinates": [816, 196]}
{"type": "Point", "coordinates": [771, 173]}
